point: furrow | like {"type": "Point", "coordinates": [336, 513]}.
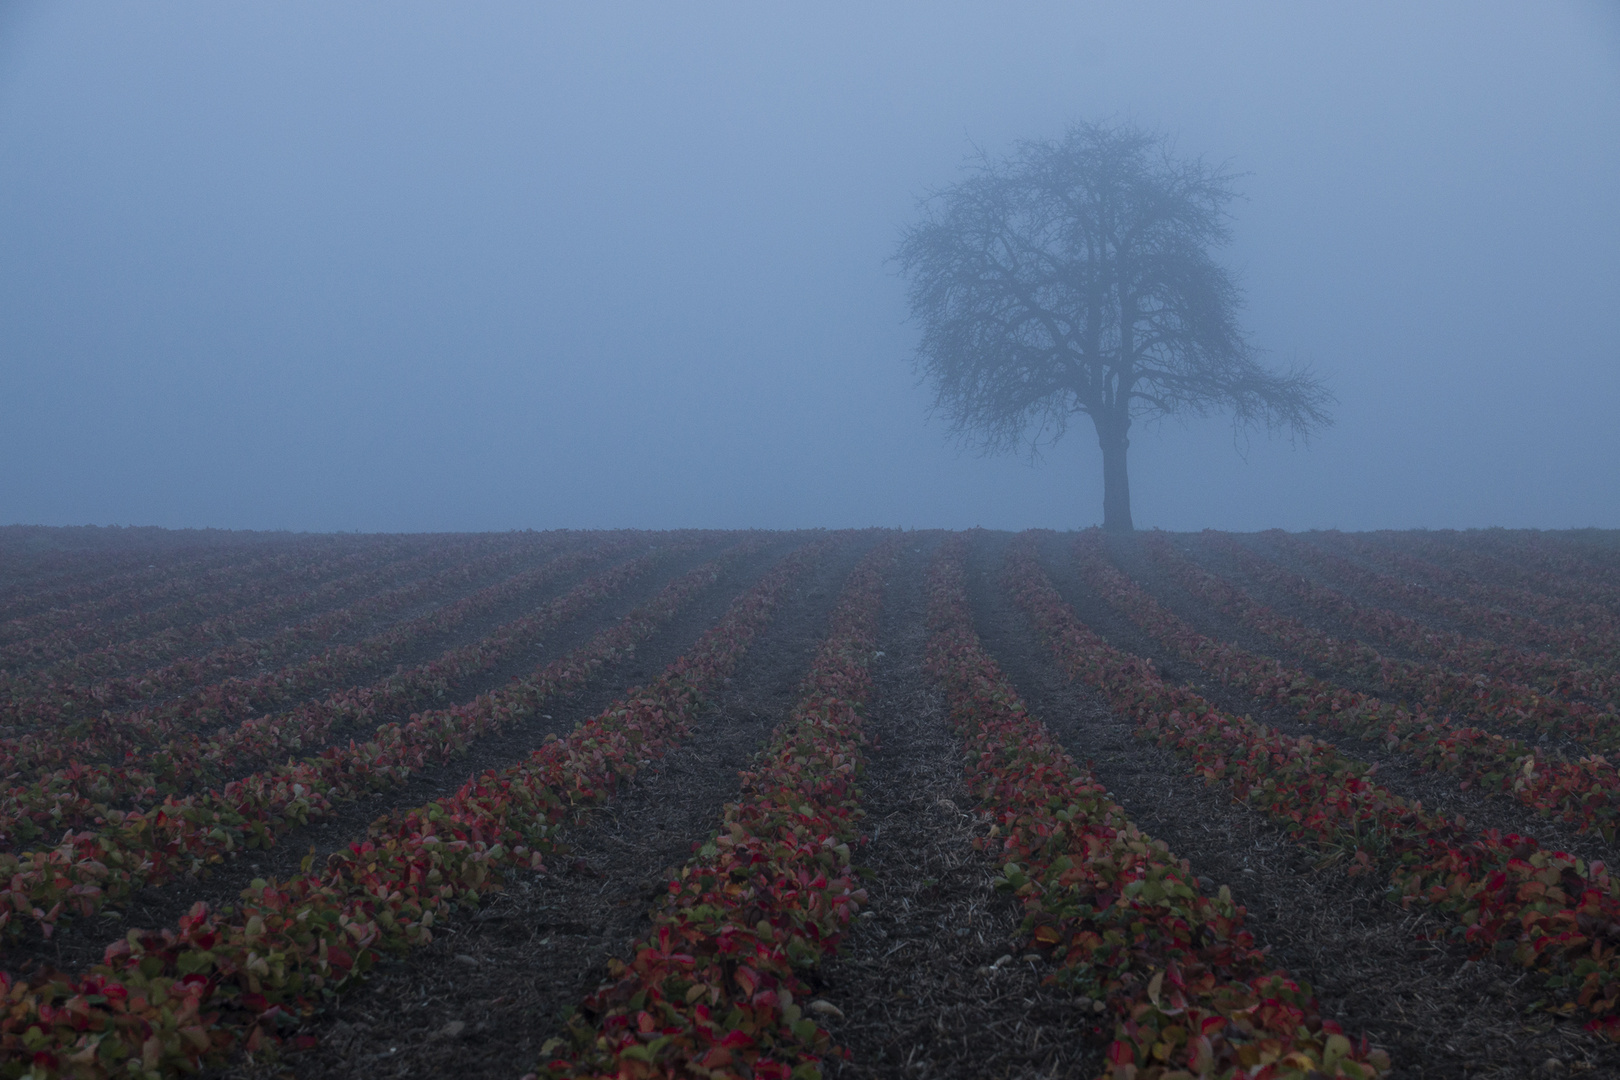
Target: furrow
{"type": "Point", "coordinates": [1548, 911]}
{"type": "Point", "coordinates": [1433, 1003]}
{"type": "Point", "coordinates": [183, 836]}
{"type": "Point", "coordinates": [226, 979]}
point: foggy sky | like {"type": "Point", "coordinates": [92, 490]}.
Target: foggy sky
{"type": "Point", "coordinates": [446, 266]}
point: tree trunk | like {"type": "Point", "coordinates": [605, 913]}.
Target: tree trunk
{"type": "Point", "coordinates": [1116, 484]}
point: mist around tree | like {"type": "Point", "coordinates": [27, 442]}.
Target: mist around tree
{"type": "Point", "coordinates": [1077, 277]}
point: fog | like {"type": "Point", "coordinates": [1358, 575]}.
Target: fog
{"type": "Point", "coordinates": [425, 267]}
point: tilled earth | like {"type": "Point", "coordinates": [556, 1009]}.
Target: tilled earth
{"type": "Point", "coordinates": [83, 942]}
{"type": "Point", "coordinates": [1379, 970]}
{"type": "Point", "coordinates": [484, 997]}
{"type": "Point", "coordinates": [934, 979]}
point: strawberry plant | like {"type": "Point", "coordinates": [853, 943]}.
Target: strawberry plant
{"type": "Point", "coordinates": [1546, 910]}
{"type": "Point", "coordinates": [1584, 793]}
{"type": "Point", "coordinates": [163, 1002]}
{"type": "Point", "coordinates": [716, 988]}
{"type": "Point", "coordinates": [128, 850]}
{"type": "Point", "coordinates": [1434, 686]}
{"type": "Point", "coordinates": [1121, 918]}
{"type": "Point", "coordinates": [1558, 674]}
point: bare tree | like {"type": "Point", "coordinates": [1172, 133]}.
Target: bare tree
{"type": "Point", "coordinates": [1076, 277]}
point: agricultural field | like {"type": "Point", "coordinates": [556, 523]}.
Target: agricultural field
{"type": "Point", "coordinates": [842, 804]}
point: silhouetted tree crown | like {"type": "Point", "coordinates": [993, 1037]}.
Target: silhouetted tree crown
{"type": "Point", "coordinates": [1076, 277]}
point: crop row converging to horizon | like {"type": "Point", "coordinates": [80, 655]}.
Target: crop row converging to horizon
{"type": "Point", "coordinates": [238, 779]}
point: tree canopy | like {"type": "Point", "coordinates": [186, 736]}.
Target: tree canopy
{"type": "Point", "coordinates": [1077, 276]}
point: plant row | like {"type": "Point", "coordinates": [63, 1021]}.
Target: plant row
{"type": "Point", "coordinates": [33, 615]}
{"type": "Point", "coordinates": [1567, 569]}
{"type": "Point", "coordinates": [1118, 916]}
{"type": "Point", "coordinates": [716, 988]}
{"type": "Point", "coordinates": [155, 740]}
{"type": "Point", "coordinates": [1545, 910]}
{"type": "Point", "coordinates": [1556, 665]}
{"type": "Point", "coordinates": [1585, 793]}
{"type": "Point", "coordinates": [100, 582]}
{"type": "Point", "coordinates": [79, 794]}
{"type": "Point", "coordinates": [61, 631]}
{"type": "Point", "coordinates": [278, 601]}
{"type": "Point", "coordinates": [37, 580]}
{"type": "Point", "coordinates": [1564, 676]}
{"type": "Point", "coordinates": [1488, 700]}
{"type": "Point", "coordinates": [121, 676]}
{"type": "Point", "coordinates": [1490, 581]}
{"type": "Point", "coordinates": [125, 851]}
{"type": "Point", "coordinates": [164, 1003]}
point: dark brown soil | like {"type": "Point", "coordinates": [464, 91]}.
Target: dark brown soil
{"type": "Point", "coordinates": [1396, 771]}
{"type": "Point", "coordinates": [551, 645]}
{"type": "Point", "coordinates": [78, 944]}
{"type": "Point", "coordinates": [932, 981]}
{"type": "Point", "coordinates": [919, 982]}
{"type": "Point", "coordinates": [1439, 559]}
{"type": "Point", "coordinates": [44, 572]}
{"type": "Point", "coordinates": [1127, 555]}
{"type": "Point", "coordinates": [263, 629]}
{"type": "Point", "coordinates": [1572, 564]}
{"type": "Point", "coordinates": [1418, 604]}
{"type": "Point", "coordinates": [1377, 969]}
{"type": "Point", "coordinates": [490, 990]}
{"type": "Point", "coordinates": [1281, 600]}
{"type": "Point", "coordinates": [1297, 564]}
{"type": "Point", "coordinates": [182, 599]}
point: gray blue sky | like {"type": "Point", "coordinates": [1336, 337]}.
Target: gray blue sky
{"type": "Point", "coordinates": [503, 265]}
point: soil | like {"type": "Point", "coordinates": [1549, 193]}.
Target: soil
{"type": "Point", "coordinates": [261, 628]}
{"type": "Point", "coordinates": [76, 945]}
{"type": "Point", "coordinates": [932, 980]}
{"type": "Point", "coordinates": [1377, 969]}
{"type": "Point", "coordinates": [1279, 599]}
{"type": "Point", "coordinates": [483, 998]}
{"type": "Point", "coordinates": [152, 600]}
{"type": "Point", "coordinates": [37, 577]}
{"type": "Point", "coordinates": [918, 981]}
{"type": "Point", "coordinates": [1439, 561]}
{"type": "Point", "coordinates": [535, 653]}
{"type": "Point", "coordinates": [1396, 771]}
{"type": "Point", "coordinates": [1128, 556]}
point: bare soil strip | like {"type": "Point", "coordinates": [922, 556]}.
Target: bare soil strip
{"type": "Point", "coordinates": [1396, 771]}
{"type": "Point", "coordinates": [1225, 566]}
{"type": "Point", "coordinates": [1312, 615]}
{"type": "Point", "coordinates": [490, 990]}
{"type": "Point", "coordinates": [478, 570]}
{"type": "Point", "coordinates": [1128, 556]}
{"type": "Point", "coordinates": [76, 945]}
{"type": "Point", "coordinates": [63, 578]}
{"type": "Point", "coordinates": [184, 600]}
{"type": "Point", "coordinates": [919, 982]}
{"type": "Point", "coordinates": [1376, 968]}
{"type": "Point", "coordinates": [1488, 809]}
{"type": "Point", "coordinates": [307, 648]}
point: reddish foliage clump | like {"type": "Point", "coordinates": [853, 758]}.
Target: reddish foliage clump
{"type": "Point", "coordinates": [1123, 919]}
